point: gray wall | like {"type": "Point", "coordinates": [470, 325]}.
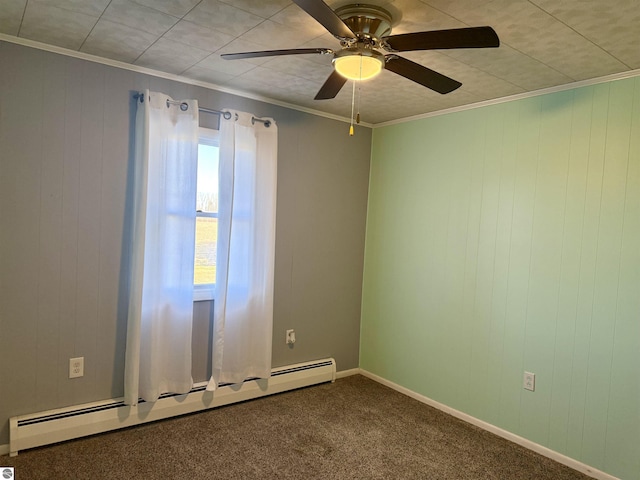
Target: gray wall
{"type": "Point", "coordinates": [65, 130]}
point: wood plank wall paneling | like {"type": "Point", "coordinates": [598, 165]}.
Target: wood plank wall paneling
{"type": "Point", "coordinates": [46, 287]}
{"type": "Point", "coordinates": [621, 445]}
{"type": "Point", "coordinates": [504, 239]}
{"type": "Point", "coordinates": [20, 120]}
{"type": "Point", "coordinates": [65, 193]}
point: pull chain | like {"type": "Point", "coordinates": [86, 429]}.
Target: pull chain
{"type": "Point", "coordinates": [358, 107]}
{"type": "Point", "coordinates": [353, 100]}
{"type": "Point", "coordinates": [359, 87]}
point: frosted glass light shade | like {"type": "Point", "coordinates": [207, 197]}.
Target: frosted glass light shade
{"type": "Point", "coordinates": [358, 67]}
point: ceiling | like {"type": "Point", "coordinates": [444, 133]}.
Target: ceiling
{"type": "Point", "coordinates": [544, 43]}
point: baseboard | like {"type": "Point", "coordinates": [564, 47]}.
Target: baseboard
{"type": "Point", "coordinates": [52, 426]}
{"type": "Point", "coordinates": [544, 451]}
{"type": "Point", "coordinates": [347, 373]}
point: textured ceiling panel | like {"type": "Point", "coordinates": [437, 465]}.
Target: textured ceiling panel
{"type": "Point", "coordinates": [272, 35]}
{"type": "Point", "coordinates": [262, 9]}
{"type": "Point", "coordinates": [177, 8]}
{"type": "Point", "coordinates": [57, 26]}
{"type": "Point", "coordinates": [192, 34]}
{"type": "Point", "coordinates": [105, 40]}
{"type": "Point", "coordinates": [88, 7]}
{"type": "Point", "coordinates": [223, 17]}
{"type": "Point", "coordinates": [11, 12]}
{"type": "Point", "coordinates": [170, 56]}
{"type": "Point", "coordinates": [139, 16]}
{"type": "Point", "coordinates": [609, 25]}
{"type": "Point", "coordinates": [511, 66]}
{"type": "Point", "coordinates": [544, 43]}
{"type": "Point", "coordinates": [301, 66]}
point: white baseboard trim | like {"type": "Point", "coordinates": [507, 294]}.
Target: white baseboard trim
{"type": "Point", "coordinates": [58, 425]}
{"type": "Point", "coordinates": [4, 449]}
{"type": "Point", "coordinates": [547, 452]}
{"type": "Point", "coordinates": [347, 373]}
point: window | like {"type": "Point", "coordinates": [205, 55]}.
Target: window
{"type": "Point", "coordinates": [204, 278]}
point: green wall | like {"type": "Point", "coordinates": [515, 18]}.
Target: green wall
{"type": "Point", "coordinates": [507, 238]}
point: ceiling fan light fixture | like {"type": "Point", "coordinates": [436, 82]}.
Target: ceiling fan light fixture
{"type": "Point", "coordinates": [356, 66]}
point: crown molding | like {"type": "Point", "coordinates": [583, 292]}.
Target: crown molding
{"type": "Point", "coordinates": [519, 96]}
{"type": "Point", "coordinates": [170, 76]}
{"type": "Point", "coordinates": [212, 86]}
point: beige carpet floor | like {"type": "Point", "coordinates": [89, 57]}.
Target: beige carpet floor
{"type": "Point", "coordinates": [354, 428]}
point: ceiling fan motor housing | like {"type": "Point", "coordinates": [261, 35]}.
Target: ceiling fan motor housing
{"type": "Point", "coordinates": [358, 59]}
{"type": "Point", "coordinates": [369, 22]}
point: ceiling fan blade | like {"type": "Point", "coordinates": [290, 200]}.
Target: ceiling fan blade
{"type": "Point", "coordinates": [419, 74]}
{"type": "Point", "coordinates": [331, 86]}
{"type": "Point", "coordinates": [274, 53]}
{"type": "Point", "coordinates": [472, 37]}
{"type": "Point", "coordinates": [326, 17]}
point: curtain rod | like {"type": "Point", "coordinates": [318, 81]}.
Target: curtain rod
{"type": "Point", "coordinates": [226, 115]}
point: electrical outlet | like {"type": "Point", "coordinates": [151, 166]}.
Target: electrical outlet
{"type": "Point", "coordinates": [76, 367]}
{"type": "Point", "coordinates": [291, 337]}
{"type": "Point", "coordinates": [529, 381]}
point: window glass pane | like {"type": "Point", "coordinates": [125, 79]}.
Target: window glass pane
{"type": "Point", "coordinates": [205, 261]}
{"type": "Point", "coordinates": [207, 200]}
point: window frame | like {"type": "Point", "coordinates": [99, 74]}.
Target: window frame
{"type": "Point", "coordinates": [206, 292]}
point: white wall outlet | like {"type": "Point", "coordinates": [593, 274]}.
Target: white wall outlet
{"type": "Point", "coordinates": [76, 367]}
{"type": "Point", "coordinates": [291, 337]}
{"type": "Point", "coordinates": [529, 381]}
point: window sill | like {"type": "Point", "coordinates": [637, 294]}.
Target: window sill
{"type": "Point", "coordinates": [203, 293]}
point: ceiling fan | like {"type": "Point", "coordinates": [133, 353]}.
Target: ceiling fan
{"type": "Point", "coordinates": [367, 46]}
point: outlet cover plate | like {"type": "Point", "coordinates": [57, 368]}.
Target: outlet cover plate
{"type": "Point", "coordinates": [529, 381]}
{"type": "Point", "coordinates": [76, 367]}
{"type": "Point", "coordinates": [290, 337]}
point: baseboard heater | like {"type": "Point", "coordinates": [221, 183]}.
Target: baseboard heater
{"type": "Point", "coordinates": [44, 428]}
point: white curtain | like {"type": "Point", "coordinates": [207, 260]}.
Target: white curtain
{"type": "Point", "coordinates": [243, 306]}
{"type": "Point", "coordinates": [158, 352]}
